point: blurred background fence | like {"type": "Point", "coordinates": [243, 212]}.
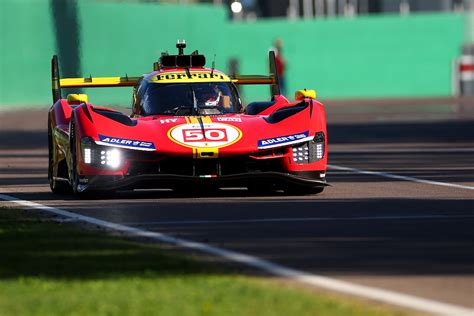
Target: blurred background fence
{"type": "Point", "coordinates": [364, 56]}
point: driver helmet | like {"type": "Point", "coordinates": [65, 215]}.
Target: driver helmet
{"type": "Point", "coordinates": [211, 96]}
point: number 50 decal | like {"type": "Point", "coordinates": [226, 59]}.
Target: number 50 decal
{"type": "Point", "coordinates": [212, 135]}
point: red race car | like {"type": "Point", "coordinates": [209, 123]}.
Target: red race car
{"type": "Point", "coordinates": [188, 129]}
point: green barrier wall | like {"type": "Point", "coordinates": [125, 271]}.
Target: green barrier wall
{"type": "Point", "coordinates": [384, 56]}
{"type": "Point", "coordinates": [389, 56]}
{"type": "Point", "coordinates": [27, 43]}
{"type": "Point", "coordinates": [120, 39]}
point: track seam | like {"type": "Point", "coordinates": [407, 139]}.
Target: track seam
{"type": "Point", "coordinates": [300, 219]}
{"type": "Point", "coordinates": [390, 297]}
{"type": "Point", "coordinates": [399, 177]}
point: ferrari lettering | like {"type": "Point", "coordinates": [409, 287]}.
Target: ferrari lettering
{"type": "Point", "coordinates": [282, 140]}
{"type": "Point", "coordinates": [184, 76]}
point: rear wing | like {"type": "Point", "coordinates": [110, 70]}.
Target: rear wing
{"type": "Point", "coordinates": [97, 82]}
{"type": "Point", "coordinates": [102, 82]}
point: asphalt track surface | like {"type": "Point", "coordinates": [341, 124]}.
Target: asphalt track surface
{"type": "Point", "coordinates": [369, 229]}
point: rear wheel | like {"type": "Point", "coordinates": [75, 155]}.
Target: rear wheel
{"type": "Point", "coordinates": [57, 186]}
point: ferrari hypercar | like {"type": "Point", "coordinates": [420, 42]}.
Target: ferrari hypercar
{"type": "Point", "coordinates": [187, 129]}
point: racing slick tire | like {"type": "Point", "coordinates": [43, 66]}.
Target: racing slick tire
{"type": "Point", "coordinates": [57, 187]}
{"type": "Point", "coordinates": [73, 175]}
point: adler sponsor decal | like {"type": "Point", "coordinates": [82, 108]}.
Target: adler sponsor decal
{"type": "Point", "coordinates": [126, 143]}
{"type": "Point", "coordinates": [210, 135]}
{"type": "Point", "coordinates": [283, 140]}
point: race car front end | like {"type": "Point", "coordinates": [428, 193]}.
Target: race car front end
{"type": "Point", "coordinates": [301, 165]}
{"type": "Point", "coordinates": [223, 151]}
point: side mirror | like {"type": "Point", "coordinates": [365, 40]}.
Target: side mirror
{"type": "Point", "coordinates": [303, 94]}
{"type": "Point", "coordinates": [77, 98]}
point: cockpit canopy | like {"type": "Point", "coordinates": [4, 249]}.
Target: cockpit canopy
{"type": "Point", "coordinates": [195, 98]}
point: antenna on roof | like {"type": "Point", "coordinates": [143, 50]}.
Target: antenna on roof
{"type": "Point", "coordinates": [180, 45]}
{"type": "Point", "coordinates": [213, 65]}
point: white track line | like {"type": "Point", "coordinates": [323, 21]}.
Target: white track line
{"type": "Point", "coordinates": [298, 219]}
{"type": "Point", "coordinates": [390, 297]}
{"type": "Point", "coordinates": [401, 150]}
{"type": "Point", "coordinates": [398, 177]}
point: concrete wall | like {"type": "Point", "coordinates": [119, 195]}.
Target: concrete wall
{"type": "Point", "coordinates": [382, 56]}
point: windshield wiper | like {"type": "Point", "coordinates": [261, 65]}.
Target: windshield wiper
{"type": "Point", "coordinates": [195, 103]}
{"type": "Point", "coordinates": [201, 123]}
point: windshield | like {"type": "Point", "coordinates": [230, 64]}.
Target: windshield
{"type": "Point", "coordinates": [210, 98]}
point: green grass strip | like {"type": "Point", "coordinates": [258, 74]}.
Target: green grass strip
{"type": "Point", "coordinates": [49, 268]}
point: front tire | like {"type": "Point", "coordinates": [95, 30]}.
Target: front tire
{"type": "Point", "coordinates": [57, 187]}
{"type": "Point", "coordinates": [73, 175]}
{"type": "Point", "coordinates": [82, 193]}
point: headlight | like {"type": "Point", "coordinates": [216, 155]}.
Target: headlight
{"type": "Point", "coordinates": [301, 153]}
{"type": "Point", "coordinates": [310, 151]}
{"type": "Point", "coordinates": [100, 156]}
{"type": "Point", "coordinates": [88, 156]}
{"type": "Point", "coordinates": [110, 157]}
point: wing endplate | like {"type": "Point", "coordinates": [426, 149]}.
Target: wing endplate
{"type": "Point", "coordinates": [271, 80]}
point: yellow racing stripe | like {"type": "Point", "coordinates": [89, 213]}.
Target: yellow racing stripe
{"type": "Point", "coordinates": [206, 153]}
{"type": "Point", "coordinates": [206, 119]}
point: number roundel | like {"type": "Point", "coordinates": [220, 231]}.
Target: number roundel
{"type": "Point", "coordinates": [213, 135]}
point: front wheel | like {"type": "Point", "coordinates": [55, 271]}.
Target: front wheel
{"type": "Point", "coordinates": [57, 187]}
{"type": "Point", "coordinates": [73, 175]}
{"type": "Point", "coordinates": [81, 190]}
{"type": "Point", "coordinates": [77, 188]}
